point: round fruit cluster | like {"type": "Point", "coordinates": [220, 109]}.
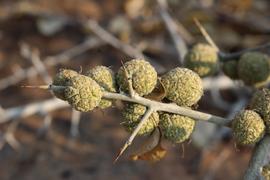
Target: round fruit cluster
{"type": "Point", "coordinates": [182, 86]}
{"type": "Point", "coordinates": [249, 126]}
{"type": "Point", "coordinates": [253, 68]}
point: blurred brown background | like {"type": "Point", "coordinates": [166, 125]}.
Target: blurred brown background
{"type": "Point", "coordinates": [39, 37]}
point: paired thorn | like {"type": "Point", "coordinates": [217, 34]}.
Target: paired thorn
{"type": "Point", "coordinates": [46, 87]}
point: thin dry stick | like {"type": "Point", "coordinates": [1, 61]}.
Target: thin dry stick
{"type": "Point", "coordinates": [34, 56]}
{"type": "Point", "coordinates": [75, 120]}
{"type": "Point", "coordinates": [135, 132]}
{"type": "Point", "coordinates": [172, 28]}
{"type": "Point", "coordinates": [116, 43]}
{"type": "Point", "coordinates": [9, 137]}
{"type": "Point", "coordinates": [50, 61]}
{"type": "Point", "coordinates": [257, 160]}
{"type": "Point", "coordinates": [205, 34]}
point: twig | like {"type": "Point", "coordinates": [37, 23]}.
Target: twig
{"type": "Point", "coordinates": [9, 135]}
{"type": "Point", "coordinates": [33, 108]}
{"type": "Point", "coordinates": [205, 34]}
{"type": "Point", "coordinates": [257, 160]}
{"type": "Point", "coordinates": [172, 28]}
{"type": "Point", "coordinates": [236, 55]}
{"type": "Point", "coordinates": [222, 82]}
{"type": "Point", "coordinates": [144, 119]}
{"type": "Point", "coordinates": [75, 120]}
{"type": "Point", "coordinates": [50, 61]}
{"type": "Point", "coordinates": [34, 56]}
{"type": "Point", "coordinates": [46, 124]}
{"type": "Point", "coordinates": [116, 43]}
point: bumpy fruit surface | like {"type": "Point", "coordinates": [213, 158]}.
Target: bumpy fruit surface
{"type": "Point", "coordinates": [104, 76]}
{"type": "Point", "coordinates": [182, 86]}
{"type": "Point", "coordinates": [248, 127]}
{"type": "Point", "coordinates": [83, 93]}
{"type": "Point", "coordinates": [176, 128]}
{"type": "Point", "coordinates": [61, 79]}
{"type": "Point", "coordinates": [142, 74]}
{"type": "Point", "coordinates": [260, 103]}
{"type": "Point", "coordinates": [266, 172]}
{"type": "Point", "coordinates": [230, 69]}
{"type": "Point", "coordinates": [203, 59]}
{"type": "Point", "coordinates": [133, 113]}
{"type": "Point", "coordinates": [254, 68]}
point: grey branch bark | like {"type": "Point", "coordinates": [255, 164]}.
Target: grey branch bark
{"type": "Point", "coordinates": [257, 160]}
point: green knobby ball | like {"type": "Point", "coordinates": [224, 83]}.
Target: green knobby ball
{"type": "Point", "coordinates": [248, 127]}
{"type": "Point", "coordinates": [260, 102]}
{"type": "Point", "coordinates": [203, 59]}
{"type": "Point", "coordinates": [61, 79]}
{"type": "Point", "coordinates": [142, 74]}
{"type": "Point", "coordinates": [83, 93]}
{"type": "Point", "coordinates": [182, 86]}
{"type": "Point", "coordinates": [133, 114]}
{"type": "Point", "coordinates": [176, 128]}
{"type": "Point", "coordinates": [230, 69]}
{"type": "Point", "coordinates": [254, 69]}
{"type": "Point", "coordinates": [104, 76]}
{"type": "Point", "coordinates": [266, 172]}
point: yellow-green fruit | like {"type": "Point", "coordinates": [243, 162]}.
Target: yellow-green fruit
{"type": "Point", "coordinates": [61, 79]}
{"type": "Point", "coordinates": [176, 128]}
{"type": "Point", "coordinates": [254, 68]}
{"type": "Point", "coordinates": [104, 76]}
{"type": "Point", "coordinates": [83, 93]}
{"type": "Point", "coordinates": [133, 113]}
{"type": "Point", "coordinates": [248, 127]}
{"type": "Point", "coordinates": [142, 74]}
{"type": "Point", "coordinates": [203, 59]}
{"type": "Point", "coordinates": [260, 103]}
{"type": "Point", "coordinates": [182, 86]}
{"type": "Point", "coordinates": [266, 172]}
{"type": "Point", "coordinates": [230, 69]}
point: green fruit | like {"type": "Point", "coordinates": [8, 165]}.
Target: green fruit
{"type": "Point", "coordinates": [254, 69]}
{"type": "Point", "coordinates": [176, 128]}
{"type": "Point", "coordinates": [248, 127]}
{"type": "Point", "coordinates": [142, 74]}
{"type": "Point", "coordinates": [230, 69]}
{"type": "Point", "coordinates": [133, 114]}
{"type": "Point", "coordinates": [266, 172]}
{"type": "Point", "coordinates": [203, 59]}
{"type": "Point", "coordinates": [61, 79]}
{"type": "Point", "coordinates": [104, 76]}
{"type": "Point", "coordinates": [260, 103]}
{"type": "Point", "coordinates": [182, 86]}
{"type": "Point", "coordinates": [83, 93]}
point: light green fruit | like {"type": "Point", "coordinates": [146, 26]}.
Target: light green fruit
{"type": "Point", "coordinates": [104, 76]}
{"type": "Point", "coordinates": [266, 172]}
{"type": "Point", "coordinates": [248, 127]}
{"type": "Point", "coordinates": [133, 113]}
{"type": "Point", "coordinates": [61, 79]}
{"type": "Point", "coordinates": [142, 74]}
{"type": "Point", "coordinates": [254, 69]}
{"type": "Point", "coordinates": [83, 93]}
{"type": "Point", "coordinates": [260, 103]}
{"type": "Point", "coordinates": [203, 59]}
{"type": "Point", "coordinates": [182, 86]}
{"type": "Point", "coordinates": [176, 128]}
{"type": "Point", "coordinates": [230, 69]}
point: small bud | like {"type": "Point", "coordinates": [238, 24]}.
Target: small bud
{"type": "Point", "coordinates": [260, 103]}
{"type": "Point", "coordinates": [142, 74]}
{"type": "Point", "coordinates": [248, 127]}
{"type": "Point", "coordinates": [182, 86]}
{"type": "Point", "coordinates": [104, 76]}
{"type": "Point", "coordinates": [230, 69]}
{"type": "Point", "coordinates": [176, 128]}
{"type": "Point", "coordinates": [266, 172]}
{"type": "Point", "coordinates": [61, 79]}
{"type": "Point", "coordinates": [254, 69]}
{"type": "Point", "coordinates": [133, 113]}
{"type": "Point", "coordinates": [83, 93]}
{"type": "Point", "coordinates": [203, 59]}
